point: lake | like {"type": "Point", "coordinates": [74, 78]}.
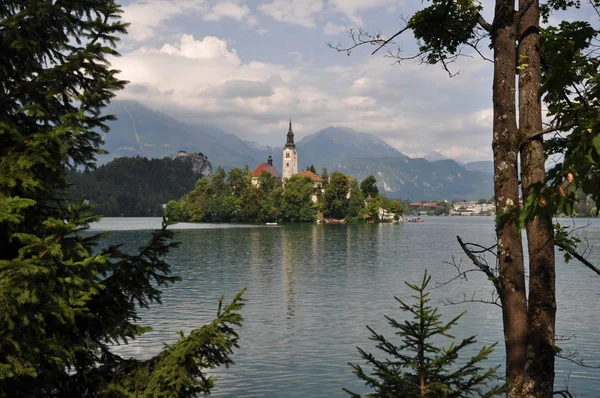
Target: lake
{"type": "Point", "coordinates": [313, 288]}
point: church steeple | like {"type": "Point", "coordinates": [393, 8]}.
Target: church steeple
{"type": "Point", "coordinates": [290, 156]}
{"type": "Point", "coordinates": [290, 137]}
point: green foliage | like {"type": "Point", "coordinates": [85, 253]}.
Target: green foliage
{"type": "Point", "coordinates": [563, 238]}
{"type": "Point", "coordinates": [416, 367]}
{"type": "Point", "coordinates": [63, 300]}
{"type": "Point", "coordinates": [356, 203]}
{"type": "Point", "coordinates": [325, 176]}
{"type": "Point", "coordinates": [442, 208]}
{"type": "Point", "coordinates": [175, 211]}
{"type": "Point", "coordinates": [229, 198]}
{"type": "Point", "coordinates": [179, 370]}
{"type": "Point", "coordinates": [296, 200]}
{"type": "Point", "coordinates": [368, 186]}
{"type": "Point", "coordinates": [336, 201]}
{"type": "Point", "coordinates": [393, 206]}
{"type": "Point", "coordinates": [571, 90]}
{"type": "Point", "coordinates": [234, 197]}
{"type": "Point", "coordinates": [133, 187]}
{"type": "Point", "coordinates": [442, 28]}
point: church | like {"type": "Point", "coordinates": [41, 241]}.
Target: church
{"type": "Point", "coordinates": [289, 166]}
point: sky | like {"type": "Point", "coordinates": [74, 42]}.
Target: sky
{"type": "Point", "coordinates": [246, 66]}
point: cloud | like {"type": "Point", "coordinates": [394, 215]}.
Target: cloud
{"type": "Point", "coordinates": [334, 29]}
{"type": "Point", "coordinates": [242, 89]}
{"type": "Point", "coordinates": [229, 9]}
{"type": "Point", "coordinates": [352, 8]}
{"type": "Point", "coordinates": [298, 12]}
{"type": "Point", "coordinates": [209, 48]}
{"type": "Point", "coordinates": [412, 107]}
{"type": "Point", "coordinates": [147, 16]}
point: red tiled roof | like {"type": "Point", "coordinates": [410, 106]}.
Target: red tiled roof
{"type": "Point", "coordinates": [311, 175]}
{"type": "Point", "coordinates": [266, 167]}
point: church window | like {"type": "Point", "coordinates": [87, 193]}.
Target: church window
{"type": "Point", "coordinates": [287, 154]}
{"type": "Point", "coordinates": [287, 165]}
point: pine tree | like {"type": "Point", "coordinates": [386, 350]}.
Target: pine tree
{"type": "Point", "coordinates": [63, 300]}
{"type": "Point", "coordinates": [416, 368]}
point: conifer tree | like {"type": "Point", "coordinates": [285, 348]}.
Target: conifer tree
{"type": "Point", "coordinates": [63, 301]}
{"type": "Point", "coordinates": [416, 368]}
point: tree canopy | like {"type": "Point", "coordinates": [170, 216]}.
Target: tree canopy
{"type": "Point", "coordinates": [417, 367]}
{"type": "Point", "coordinates": [554, 65]}
{"type": "Point", "coordinates": [133, 187]}
{"type": "Point", "coordinates": [64, 300]}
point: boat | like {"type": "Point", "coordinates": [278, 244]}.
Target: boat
{"type": "Point", "coordinates": [271, 223]}
{"type": "Point", "coordinates": [415, 219]}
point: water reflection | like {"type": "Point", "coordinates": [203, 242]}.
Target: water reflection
{"type": "Point", "coordinates": [313, 288]}
{"type": "Point", "coordinates": [288, 264]}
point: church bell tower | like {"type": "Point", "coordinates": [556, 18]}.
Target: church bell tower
{"type": "Point", "coordinates": [290, 156]}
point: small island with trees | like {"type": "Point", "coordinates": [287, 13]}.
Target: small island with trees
{"type": "Point", "coordinates": [234, 197]}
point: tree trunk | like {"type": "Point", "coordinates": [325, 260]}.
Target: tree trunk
{"type": "Point", "coordinates": [506, 189]}
{"type": "Point", "coordinates": [539, 365]}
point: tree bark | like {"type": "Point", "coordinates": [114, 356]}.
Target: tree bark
{"type": "Point", "coordinates": [539, 366]}
{"type": "Point", "coordinates": [506, 189]}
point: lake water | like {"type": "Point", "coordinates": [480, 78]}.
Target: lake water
{"type": "Point", "coordinates": [313, 288]}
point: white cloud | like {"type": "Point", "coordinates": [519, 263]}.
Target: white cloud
{"type": "Point", "coordinates": [299, 12]}
{"type": "Point", "coordinates": [412, 107]}
{"type": "Point", "coordinates": [334, 29]}
{"type": "Point", "coordinates": [148, 15]}
{"type": "Point", "coordinates": [209, 48]}
{"type": "Point", "coordinates": [229, 9]}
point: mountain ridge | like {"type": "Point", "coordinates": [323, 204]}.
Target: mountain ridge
{"type": "Point", "coordinates": [141, 131]}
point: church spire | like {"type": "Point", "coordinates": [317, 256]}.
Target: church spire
{"type": "Point", "coordinates": [290, 137]}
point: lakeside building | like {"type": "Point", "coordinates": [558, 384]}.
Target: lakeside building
{"type": "Point", "coordinates": [268, 167]}
{"type": "Point", "coordinates": [471, 208]}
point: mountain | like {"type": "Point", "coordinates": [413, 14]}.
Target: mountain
{"type": "Point", "coordinates": [419, 179]}
{"type": "Point", "coordinates": [333, 145]}
{"type": "Point", "coordinates": [484, 166]}
{"type": "Point", "coordinates": [434, 156]}
{"type": "Point", "coordinates": [141, 131]}
{"type": "Point", "coordinates": [329, 147]}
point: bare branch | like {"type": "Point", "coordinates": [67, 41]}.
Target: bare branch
{"type": "Point", "coordinates": [579, 257]}
{"type": "Point", "coordinates": [460, 274]}
{"type": "Point", "coordinates": [563, 393]}
{"type": "Point", "coordinates": [390, 39]}
{"type": "Point", "coordinates": [594, 7]}
{"type": "Point", "coordinates": [485, 25]}
{"type": "Point", "coordinates": [359, 37]}
{"type": "Point", "coordinates": [559, 337]}
{"type": "Point", "coordinates": [474, 47]}
{"type": "Point", "coordinates": [494, 300]}
{"type": "Point", "coordinates": [576, 358]}
{"type": "Point", "coordinates": [548, 130]}
{"type": "Point", "coordinates": [479, 264]}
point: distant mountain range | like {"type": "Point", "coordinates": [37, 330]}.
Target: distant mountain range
{"type": "Point", "coordinates": [140, 131]}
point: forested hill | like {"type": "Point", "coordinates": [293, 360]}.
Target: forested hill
{"type": "Point", "coordinates": [137, 187]}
